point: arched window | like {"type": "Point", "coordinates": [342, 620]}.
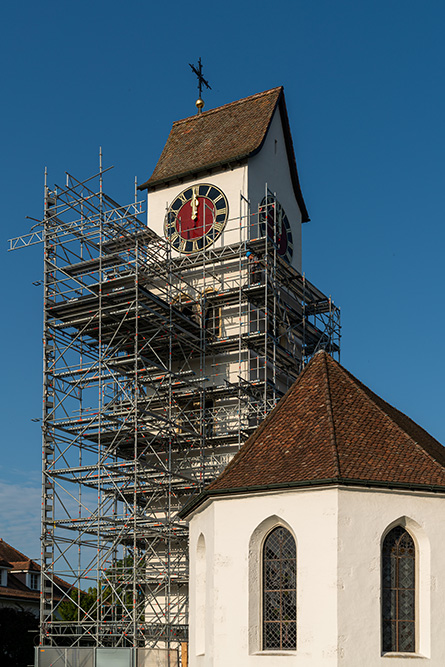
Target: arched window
{"type": "Point", "coordinates": [279, 591]}
{"type": "Point", "coordinates": [201, 576]}
{"type": "Point", "coordinates": [398, 591]}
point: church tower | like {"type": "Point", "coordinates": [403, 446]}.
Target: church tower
{"type": "Point", "coordinates": [226, 198]}
{"type": "Point", "coordinates": [165, 346]}
{"type": "Point", "coordinates": [244, 150]}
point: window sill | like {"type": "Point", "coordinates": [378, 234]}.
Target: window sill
{"type": "Point", "coordinates": [289, 653]}
{"type": "Point", "coordinates": [403, 655]}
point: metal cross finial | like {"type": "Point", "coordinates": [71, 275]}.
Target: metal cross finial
{"type": "Point", "coordinates": [201, 80]}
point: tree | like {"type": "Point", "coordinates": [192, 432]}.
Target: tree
{"type": "Point", "coordinates": [68, 609]}
{"type": "Point", "coordinates": [116, 594]}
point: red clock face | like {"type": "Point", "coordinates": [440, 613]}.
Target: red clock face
{"type": "Point", "coordinates": [196, 218]}
{"type": "Point", "coordinates": [195, 221]}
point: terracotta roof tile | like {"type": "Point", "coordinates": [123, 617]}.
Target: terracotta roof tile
{"type": "Point", "coordinates": [330, 428]}
{"type": "Point", "coordinates": [13, 592]}
{"type": "Point", "coordinates": [222, 136]}
{"type": "Point", "coordinates": [11, 555]}
{"type": "Point", "coordinates": [26, 565]}
{"type": "Point", "coordinates": [18, 561]}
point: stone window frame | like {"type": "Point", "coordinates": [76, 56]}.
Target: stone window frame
{"type": "Point", "coordinates": [255, 573]}
{"type": "Point", "coordinates": [399, 589]}
{"type": "Point", "coordinates": [422, 589]}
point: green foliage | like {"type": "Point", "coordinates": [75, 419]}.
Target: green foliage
{"type": "Point", "coordinates": [116, 593]}
{"type": "Point", "coordinates": [18, 631]}
{"type": "Point", "coordinates": [68, 609]}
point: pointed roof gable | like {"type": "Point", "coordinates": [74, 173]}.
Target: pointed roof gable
{"type": "Point", "coordinates": [12, 555]}
{"type": "Point", "coordinates": [331, 429]}
{"type": "Point", "coordinates": [220, 137]}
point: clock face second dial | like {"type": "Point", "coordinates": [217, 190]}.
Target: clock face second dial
{"type": "Point", "coordinates": [272, 215]}
{"type": "Point", "coordinates": [196, 218]}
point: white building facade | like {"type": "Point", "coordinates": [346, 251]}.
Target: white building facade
{"type": "Point", "coordinates": [357, 601]}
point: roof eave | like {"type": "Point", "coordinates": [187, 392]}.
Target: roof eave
{"type": "Point", "coordinates": [291, 158]}
{"type": "Point", "coordinates": [195, 503]}
{"type": "Point", "coordinates": [152, 185]}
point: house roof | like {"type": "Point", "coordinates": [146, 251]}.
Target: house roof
{"type": "Point", "coordinates": [13, 556]}
{"type": "Point", "coordinates": [331, 429]}
{"type": "Point", "coordinates": [16, 561]}
{"type": "Point", "coordinates": [220, 137]}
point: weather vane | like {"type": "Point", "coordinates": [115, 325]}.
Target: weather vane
{"type": "Point", "coordinates": [201, 80]}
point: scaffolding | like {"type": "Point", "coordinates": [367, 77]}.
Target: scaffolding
{"type": "Point", "coordinates": [156, 368]}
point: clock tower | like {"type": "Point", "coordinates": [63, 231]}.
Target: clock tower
{"type": "Point", "coordinates": [225, 175]}
{"type": "Point", "coordinates": [226, 199]}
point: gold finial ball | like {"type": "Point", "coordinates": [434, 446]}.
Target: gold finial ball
{"type": "Point", "coordinates": [200, 104]}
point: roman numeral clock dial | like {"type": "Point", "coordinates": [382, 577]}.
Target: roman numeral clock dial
{"type": "Point", "coordinates": [196, 218]}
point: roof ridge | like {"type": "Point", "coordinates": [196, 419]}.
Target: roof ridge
{"type": "Point", "coordinates": [371, 397]}
{"type": "Point", "coordinates": [17, 551]}
{"type": "Point", "coordinates": [330, 412]}
{"type": "Point", "coordinates": [228, 104]}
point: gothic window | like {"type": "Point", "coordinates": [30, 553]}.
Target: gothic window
{"type": "Point", "coordinates": [398, 591]}
{"type": "Point", "coordinates": [279, 591]}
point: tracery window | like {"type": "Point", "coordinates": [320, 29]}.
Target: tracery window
{"type": "Point", "coordinates": [279, 591]}
{"type": "Point", "coordinates": [398, 591]}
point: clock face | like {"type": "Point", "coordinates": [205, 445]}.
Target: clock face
{"type": "Point", "coordinates": [272, 214]}
{"type": "Point", "coordinates": [196, 218]}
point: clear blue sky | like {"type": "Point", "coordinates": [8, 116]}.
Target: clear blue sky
{"type": "Point", "coordinates": [366, 101]}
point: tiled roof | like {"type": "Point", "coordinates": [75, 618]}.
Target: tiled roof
{"type": "Point", "coordinates": [12, 555]}
{"type": "Point", "coordinates": [332, 429]}
{"type": "Point", "coordinates": [26, 565]}
{"type": "Point", "coordinates": [17, 561]}
{"type": "Point", "coordinates": [222, 136]}
{"type": "Point", "coordinates": [12, 592]}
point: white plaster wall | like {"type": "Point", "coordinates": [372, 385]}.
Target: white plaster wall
{"type": "Point", "coordinates": [271, 166]}
{"type": "Point", "coordinates": [364, 518]}
{"type": "Point", "coordinates": [228, 525]}
{"type": "Point", "coordinates": [198, 654]}
{"type": "Point", "coordinates": [232, 182]}
{"type": "Point", "coordinates": [339, 533]}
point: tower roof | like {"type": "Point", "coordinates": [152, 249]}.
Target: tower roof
{"type": "Point", "coordinates": [220, 137]}
{"type": "Point", "coordinates": [331, 429]}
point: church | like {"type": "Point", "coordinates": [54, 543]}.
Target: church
{"type": "Point", "coordinates": [256, 502]}
{"type": "Point", "coordinates": [322, 541]}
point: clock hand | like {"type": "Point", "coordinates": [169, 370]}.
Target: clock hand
{"type": "Point", "coordinates": [195, 203]}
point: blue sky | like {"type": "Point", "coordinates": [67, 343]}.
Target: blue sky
{"type": "Point", "coordinates": [364, 89]}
